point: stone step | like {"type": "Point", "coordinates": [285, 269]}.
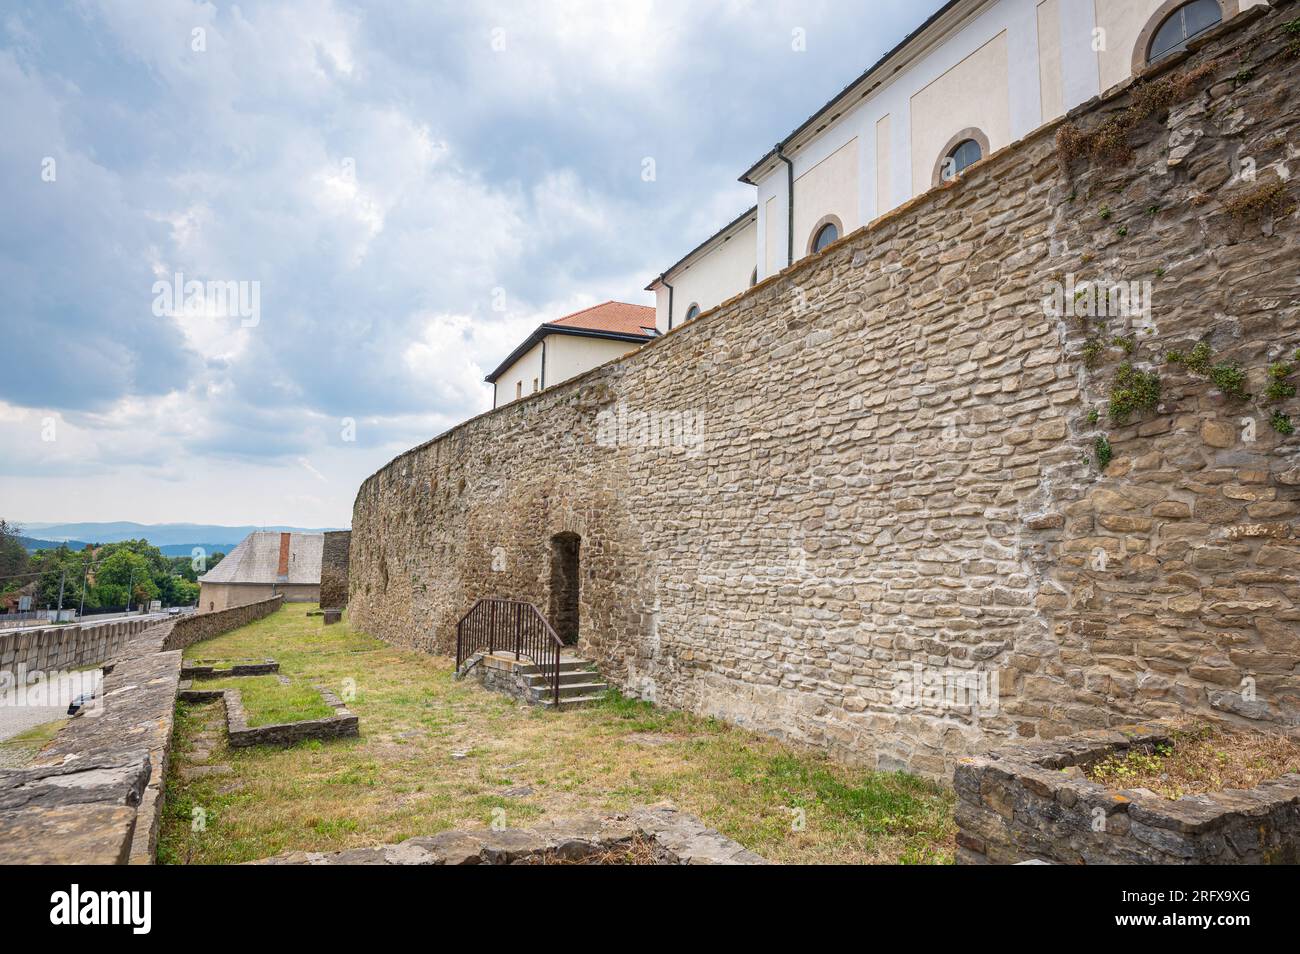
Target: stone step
{"type": "Point", "coordinates": [572, 689]}
{"type": "Point", "coordinates": [567, 702]}
{"type": "Point", "coordinates": [569, 665]}
{"type": "Point", "coordinates": [537, 679]}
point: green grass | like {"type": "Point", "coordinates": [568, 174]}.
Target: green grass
{"type": "Point", "coordinates": [18, 750]}
{"type": "Point", "coordinates": [268, 702]}
{"type": "Point", "coordinates": [435, 754]}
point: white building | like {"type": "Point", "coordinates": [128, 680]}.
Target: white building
{"type": "Point", "coordinates": [568, 346]}
{"type": "Point", "coordinates": [974, 78]}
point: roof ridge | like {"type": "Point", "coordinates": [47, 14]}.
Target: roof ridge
{"type": "Point", "coordinates": [608, 301]}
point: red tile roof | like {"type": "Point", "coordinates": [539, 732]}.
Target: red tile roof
{"type": "Point", "coordinates": [616, 316]}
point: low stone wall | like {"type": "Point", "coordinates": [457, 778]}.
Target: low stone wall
{"type": "Point", "coordinates": [114, 753]}
{"type": "Point", "coordinates": [334, 569]}
{"type": "Point", "coordinates": [501, 674]}
{"type": "Point", "coordinates": [239, 669]}
{"type": "Point", "coordinates": [200, 626]}
{"type": "Point", "coordinates": [1033, 802]}
{"type": "Point", "coordinates": [678, 839]}
{"type": "Point", "coordinates": [95, 793]}
{"type": "Point", "coordinates": [69, 647]}
{"type": "Point", "coordinates": [342, 724]}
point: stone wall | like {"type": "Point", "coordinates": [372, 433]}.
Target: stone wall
{"type": "Point", "coordinates": [334, 569]}
{"type": "Point", "coordinates": [812, 508]}
{"type": "Point", "coordinates": [94, 794]}
{"type": "Point", "coordinates": [1035, 802]}
{"type": "Point", "coordinates": [197, 627]}
{"type": "Point", "coordinates": [68, 647]}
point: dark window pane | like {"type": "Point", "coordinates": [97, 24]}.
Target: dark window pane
{"type": "Point", "coordinates": [965, 153]}
{"type": "Point", "coordinates": [1183, 24]}
{"type": "Point", "coordinates": [1200, 16]}
{"type": "Point", "coordinates": [829, 233]}
{"type": "Point", "coordinates": [692, 312]}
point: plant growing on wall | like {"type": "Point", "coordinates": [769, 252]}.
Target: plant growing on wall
{"type": "Point", "coordinates": [1109, 141]}
{"type": "Point", "coordinates": [1279, 388]}
{"type": "Point", "coordinates": [1231, 380]}
{"type": "Point", "coordinates": [1197, 360]}
{"type": "Point", "coordinates": [1134, 392]}
{"type": "Point", "coordinates": [1101, 446]}
{"type": "Point", "coordinates": [1282, 423]}
{"type": "Point", "coordinates": [1269, 199]}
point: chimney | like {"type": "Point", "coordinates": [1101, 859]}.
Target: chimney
{"type": "Point", "coordinates": [282, 571]}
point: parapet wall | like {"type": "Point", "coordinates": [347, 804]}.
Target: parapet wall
{"type": "Point", "coordinates": [197, 627]}
{"type": "Point", "coordinates": [819, 508]}
{"type": "Point", "coordinates": [94, 794]}
{"type": "Point", "coordinates": [68, 647]}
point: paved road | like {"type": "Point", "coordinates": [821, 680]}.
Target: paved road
{"type": "Point", "coordinates": [17, 716]}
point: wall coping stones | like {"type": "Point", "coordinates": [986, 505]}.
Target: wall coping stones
{"type": "Point", "coordinates": [680, 839]}
{"type": "Point", "coordinates": [1019, 802]}
{"type": "Point", "coordinates": [83, 811]}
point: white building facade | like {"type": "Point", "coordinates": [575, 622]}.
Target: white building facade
{"type": "Point", "coordinates": [974, 78]}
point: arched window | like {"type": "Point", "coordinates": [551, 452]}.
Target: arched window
{"type": "Point", "coordinates": [1183, 23]}
{"type": "Point", "coordinates": [966, 153]}
{"type": "Point", "coordinates": [827, 230]}
{"type": "Point", "coordinates": [693, 311]}
{"type": "Point", "coordinates": [825, 235]}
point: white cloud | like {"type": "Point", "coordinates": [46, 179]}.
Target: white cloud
{"type": "Point", "coordinates": [386, 178]}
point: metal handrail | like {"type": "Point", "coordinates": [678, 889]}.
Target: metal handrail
{"type": "Point", "coordinates": [513, 626]}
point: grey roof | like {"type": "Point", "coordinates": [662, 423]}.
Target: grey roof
{"type": "Point", "coordinates": [257, 557]}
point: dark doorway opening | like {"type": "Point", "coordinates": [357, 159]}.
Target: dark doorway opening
{"type": "Point", "coordinates": [565, 586]}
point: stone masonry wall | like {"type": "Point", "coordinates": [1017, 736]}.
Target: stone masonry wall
{"type": "Point", "coordinates": [197, 627]}
{"type": "Point", "coordinates": [68, 647]}
{"type": "Point", "coordinates": [334, 569]}
{"type": "Point", "coordinates": [895, 475]}
{"type": "Point", "coordinates": [94, 794]}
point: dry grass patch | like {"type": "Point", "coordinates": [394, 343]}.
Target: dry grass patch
{"type": "Point", "coordinates": [436, 754]}
{"type": "Point", "coordinates": [1201, 759]}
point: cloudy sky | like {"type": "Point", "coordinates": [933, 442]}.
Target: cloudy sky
{"type": "Point", "coordinates": [408, 187]}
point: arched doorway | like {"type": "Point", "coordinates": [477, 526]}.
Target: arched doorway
{"type": "Point", "coordinates": [566, 566]}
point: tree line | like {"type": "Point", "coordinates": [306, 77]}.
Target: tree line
{"type": "Point", "coordinates": [113, 574]}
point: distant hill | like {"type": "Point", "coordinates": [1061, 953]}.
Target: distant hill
{"type": "Point", "coordinates": [31, 544]}
{"type": "Point", "coordinates": [174, 539]}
